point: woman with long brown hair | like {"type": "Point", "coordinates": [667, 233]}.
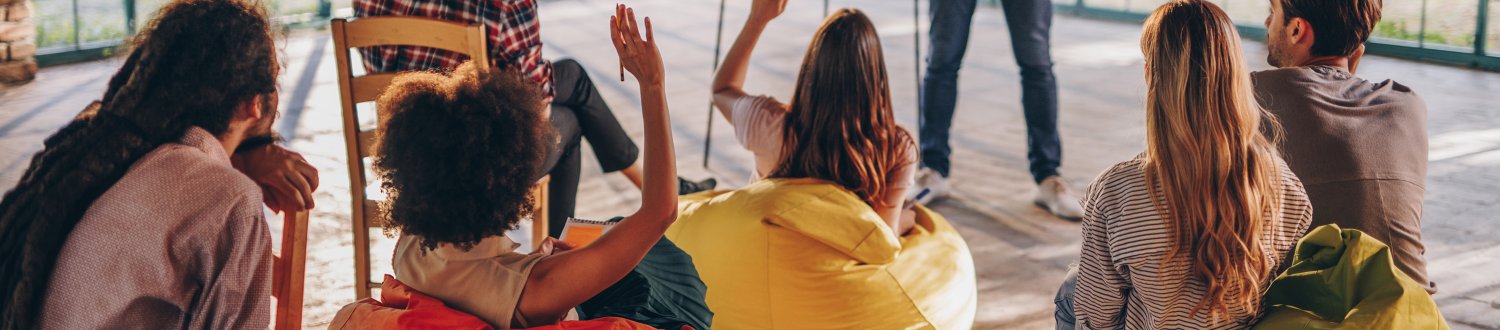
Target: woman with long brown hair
{"type": "Point", "coordinates": [1189, 233]}
{"type": "Point", "coordinates": [838, 126]}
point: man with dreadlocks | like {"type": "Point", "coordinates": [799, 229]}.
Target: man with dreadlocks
{"type": "Point", "coordinates": [133, 216]}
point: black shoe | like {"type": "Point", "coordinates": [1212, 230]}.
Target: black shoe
{"type": "Point", "coordinates": [685, 186]}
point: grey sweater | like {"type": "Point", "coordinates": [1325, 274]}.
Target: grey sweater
{"type": "Point", "coordinates": [1360, 148]}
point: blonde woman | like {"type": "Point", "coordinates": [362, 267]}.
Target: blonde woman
{"type": "Point", "coordinates": [1188, 234]}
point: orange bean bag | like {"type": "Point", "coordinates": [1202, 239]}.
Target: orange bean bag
{"type": "Point", "coordinates": [400, 307]}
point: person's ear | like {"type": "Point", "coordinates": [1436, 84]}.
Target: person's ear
{"type": "Point", "coordinates": [1354, 59]}
{"type": "Point", "coordinates": [1299, 31]}
{"type": "Point", "coordinates": [250, 109]}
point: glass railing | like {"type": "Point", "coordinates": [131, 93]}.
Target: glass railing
{"type": "Point", "coordinates": [1463, 32]}
{"type": "Point", "coordinates": [80, 30]}
{"type": "Point", "coordinates": [1457, 31]}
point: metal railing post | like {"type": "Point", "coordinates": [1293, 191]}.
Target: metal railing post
{"type": "Point", "coordinates": [77, 26]}
{"type": "Point", "coordinates": [1422, 29]}
{"type": "Point", "coordinates": [1482, 32]}
{"type": "Point", "coordinates": [129, 18]}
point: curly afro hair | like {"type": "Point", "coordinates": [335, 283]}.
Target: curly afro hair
{"type": "Point", "coordinates": [458, 154]}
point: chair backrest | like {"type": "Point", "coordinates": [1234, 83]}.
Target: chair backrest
{"type": "Point", "coordinates": [289, 272]}
{"type": "Point", "coordinates": [383, 31]}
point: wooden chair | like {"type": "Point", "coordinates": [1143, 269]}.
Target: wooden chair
{"type": "Point", "coordinates": [289, 272]}
{"type": "Point", "coordinates": [392, 31]}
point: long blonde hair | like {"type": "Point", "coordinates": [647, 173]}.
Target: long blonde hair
{"type": "Point", "coordinates": [1208, 151]}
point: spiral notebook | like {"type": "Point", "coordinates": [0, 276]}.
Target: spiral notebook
{"type": "Point", "coordinates": [581, 232]}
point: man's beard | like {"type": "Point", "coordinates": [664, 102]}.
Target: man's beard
{"type": "Point", "coordinates": [1273, 52]}
{"type": "Point", "coordinates": [263, 132]}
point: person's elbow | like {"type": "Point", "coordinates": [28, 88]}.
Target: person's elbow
{"type": "Point", "coordinates": [724, 93]}
{"type": "Point", "coordinates": [723, 98]}
{"type": "Point", "coordinates": [662, 213]}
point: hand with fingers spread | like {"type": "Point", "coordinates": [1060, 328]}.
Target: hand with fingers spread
{"type": "Point", "coordinates": [765, 10]}
{"type": "Point", "coordinates": [639, 56]}
{"type": "Point", "coordinates": [286, 180]}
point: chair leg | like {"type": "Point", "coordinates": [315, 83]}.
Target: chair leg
{"type": "Point", "coordinates": [540, 219]}
{"type": "Point", "coordinates": [361, 252]}
{"type": "Point", "coordinates": [290, 272]}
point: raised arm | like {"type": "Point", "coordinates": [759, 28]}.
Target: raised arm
{"type": "Point", "coordinates": [562, 281]}
{"type": "Point", "coordinates": [729, 82]}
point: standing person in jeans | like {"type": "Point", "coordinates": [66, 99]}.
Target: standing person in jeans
{"type": "Point", "coordinates": [1359, 145]}
{"type": "Point", "coordinates": [578, 111]}
{"type": "Point", "coordinates": [1030, 24]}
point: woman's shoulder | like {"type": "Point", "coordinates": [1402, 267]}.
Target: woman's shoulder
{"type": "Point", "coordinates": [1123, 177]}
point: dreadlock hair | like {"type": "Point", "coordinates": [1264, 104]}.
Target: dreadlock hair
{"type": "Point", "coordinates": [191, 66]}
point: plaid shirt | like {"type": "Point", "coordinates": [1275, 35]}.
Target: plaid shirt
{"type": "Point", "coordinates": [511, 25]}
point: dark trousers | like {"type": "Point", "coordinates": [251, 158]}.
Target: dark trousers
{"type": "Point", "coordinates": [1030, 24]}
{"type": "Point", "coordinates": [578, 113]}
{"type": "Point", "coordinates": [1064, 301]}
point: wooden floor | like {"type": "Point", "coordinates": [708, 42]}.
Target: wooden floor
{"type": "Point", "coordinates": [1020, 251]}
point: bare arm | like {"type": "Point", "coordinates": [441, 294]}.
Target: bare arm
{"type": "Point", "coordinates": [286, 180]}
{"type": "Point", "coordinates": [560, 282]}
{"type": "Point", "coordinates": [895, 212]}
{"type": "Point", "coordinates": [729, 82]}
{"type": "Point", "coordinates": [894, 201]}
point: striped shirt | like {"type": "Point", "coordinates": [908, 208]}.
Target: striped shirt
{"type": "Point", "coordinates": [1124, 278]}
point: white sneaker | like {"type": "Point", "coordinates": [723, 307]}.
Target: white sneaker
{"type": "Point", "coordinates": [930, 186]}
{"type": "Point", "coordinates": [1053, 194]}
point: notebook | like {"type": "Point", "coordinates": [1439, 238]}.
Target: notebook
{"type": "Point", "coordinates": [581, 232]}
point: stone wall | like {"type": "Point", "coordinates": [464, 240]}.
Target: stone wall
{"type": "Point", "coordinates": [17, 42]}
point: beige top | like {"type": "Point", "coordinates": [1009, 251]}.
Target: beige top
{"type": "Point", "coordinates": [180, 242]}
{"type": "Point", "coordinates": [485, 281]}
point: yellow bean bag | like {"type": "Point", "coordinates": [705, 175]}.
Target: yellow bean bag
{"type": "Point", "coordinates": [807, 254]}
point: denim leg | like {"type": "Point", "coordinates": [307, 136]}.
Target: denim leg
{"type": "Point", "coordinates": [948, 39]}
{"type": "Point", "coordinates": [1064, 301]}
{"type": "Point", "coordinates": [1030, 24]}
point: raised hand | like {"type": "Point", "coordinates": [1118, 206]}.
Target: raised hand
{"type": "Point", "coordinates": [765, 10]}
{"type": "Point", "coordinates": [639, 56]}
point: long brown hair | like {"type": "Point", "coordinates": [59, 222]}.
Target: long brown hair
{"type": "Point", "coordinates": [1217, 171]}
{"type": "Point", "coordinates": [190, 67]}
{"type": "Point", "coordinates": [840, 126]}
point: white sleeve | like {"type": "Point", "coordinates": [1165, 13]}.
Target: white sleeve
{"type": "Point", "coordinates": [758, 123]}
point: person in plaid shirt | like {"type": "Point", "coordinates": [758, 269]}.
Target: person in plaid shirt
{"type": "Point", "coordinates": [514, 37]}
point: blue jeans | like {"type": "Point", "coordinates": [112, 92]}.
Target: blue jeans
{"type": "Point", "coordinates": [1064, 301]}
{"type": "Point", "coordinates": [1030, 25]}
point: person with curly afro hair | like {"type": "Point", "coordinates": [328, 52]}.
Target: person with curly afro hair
{"type": "Point", "coordinates": [578, 112]}
{"type": "Point", "coordinates": [456, 155]}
